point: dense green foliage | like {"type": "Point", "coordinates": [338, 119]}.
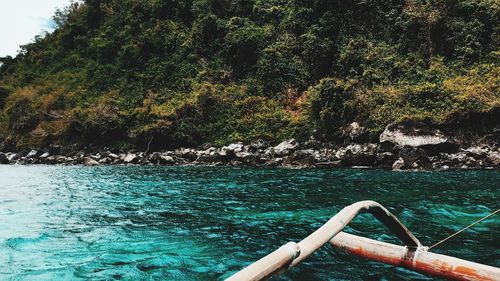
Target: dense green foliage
{"type": "Point", "coordinates": [186, 72]}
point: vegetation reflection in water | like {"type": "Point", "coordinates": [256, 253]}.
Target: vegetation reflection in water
{"type": "Point", "coordinates": [199, 223]}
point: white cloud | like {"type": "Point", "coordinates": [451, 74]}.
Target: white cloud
{"type": "Point", "coordinates": [22, 20]}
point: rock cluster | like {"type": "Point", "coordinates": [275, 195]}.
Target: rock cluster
{"type": "Point", "coordinates": [399, 148]}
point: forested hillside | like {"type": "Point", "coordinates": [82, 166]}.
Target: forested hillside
{"type": "Point", "coordinates": [123, 73]}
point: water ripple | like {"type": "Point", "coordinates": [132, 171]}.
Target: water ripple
{"type": "Point", "coordinates": [200, 223]}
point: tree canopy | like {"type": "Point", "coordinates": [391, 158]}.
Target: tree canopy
{"type": "Point", "coordinates": [187, 72]}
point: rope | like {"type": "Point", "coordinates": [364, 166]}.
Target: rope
{"type": "Point", "coordinates": [463, 229]}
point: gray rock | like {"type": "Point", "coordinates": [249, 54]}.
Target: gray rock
{"type": "Point", "coordinates": [96, 157]}
{"type": "Point", "coordinates": [358, 154]}
{"type": "Point", "coordinates": [398, 164]}
{"type": "Point", "coordinates": [356, 133]}
{"type": "Point", "coordinates": [417, 135]}
{"type": "Point", "coordinates": [304, 158]}
{"type": "Point", "coordinates": [105, 160]}
{"type": "Point", "coordinates": [243, 154]}
{"type": "Point", "coordinates": [231, 150]}
{"type": "Point", "coordinates": [477, 152]}
{"type": "Point", "coordinates": [386, 159]}
{"type": "Point", "coordinates": [113, 156]}
{"type": "Point", "coordinates": [63, 159]}
{"type": "Point", "coordinates": [188, 154]}
{"type": "Point", "coordinates": [52, 160]}
{"type": "Point", "coordinates": [13, 156]}
{"type": "Point", "coordinates": [402, 139]}
{"type": "Point", "coordinates": [285, 148]}
{"type": "Point", "coordinates": [45, 155]}
{"type": "Point", "coordinates": [415, 158]}
{"type": "Point", "coordinates": [167, 160]}
{"type": "Point", "coordinates": [32, 154]}
{"type": "Point", "coordinates": [161, 158]}
{"type": "Point", "coordinates": [209, 156]}
{"type": "Point", "coordinates": [130, 158]}
{"type": "Point", "coordinates": [90, 162]}
{"type": "Point", "coordinates": [336, 163]}
{"type": "Point", "coordinates": [4, 159]}
{"type": "Point", "coordinates": [259, 144]}
{"type": "Point", "coordinates": [494, 158]}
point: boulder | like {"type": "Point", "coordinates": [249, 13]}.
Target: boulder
{"type": "Point", "coordinates": [161, 158]}
{"type": "Point", "coordinates": [243, 154]}
{"type": "Point", "coordinates": [105, 160]}
{"type": "Point", "coordinates": [398, 164]}
{"type": "Point", "coordinates": [50, 160]}
{"type": "Point", "coordinates": [415, 158]}
{"type": "Point", "coordinates": [417, 135]}
{"type": "Point", "coordinates": [96, 157]}
{"type": "Point", "coordinates": [494, 158]}
{"type": "Point", "coordinates": [236, 147]}
{"type": "Point", "coordinates": [188, 154]}
{"type": "Point", "coordinates": [303, 158]}
{"type": "Point", "coordinates": [329, 164]}
{"type": "Point", "coordinates": [385, 159]}
{"type": "Point", "coordinates": [113, 156]}
{"type": "Point", "coordinates": [210, 155]}
{"type": "Point", "coordinates": [358, 154]}
{"type": "Point", "coordinates": [356, 133]}
{"type": "Point", "coordinates": [4, 159]}
{"type": "Point", "coordinates": [90, 162]}
{"type": "Point", "coordinates": [231, 150]}
{"type": "Point", "coordinates": [13, 156]}
{"type": "Point", "coordinates": [62, 159]}
{"type": "Point", "coordinates": [477, 152]}
{"type": "Point", "coordinates": [249, 158]}
{"type": "Point", "coordinates": [259, 144]}
{"type": "Point", "coordinates": [130, 158]}
{"type": "Point", "coordinates": [31, 154]}
{"type": "Point", "coordinates": [285, 148]}
{"type": "Point", "coordinates": [45, 155]}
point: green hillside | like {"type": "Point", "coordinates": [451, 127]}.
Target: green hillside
{"type": "Point", "coordinates": [123, 73]}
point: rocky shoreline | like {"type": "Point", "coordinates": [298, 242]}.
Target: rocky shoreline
{"type": "Point", "coordinates": [398, 147]}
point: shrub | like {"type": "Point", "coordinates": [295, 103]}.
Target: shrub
{"type": "Point", "coordinates": [332, 105]}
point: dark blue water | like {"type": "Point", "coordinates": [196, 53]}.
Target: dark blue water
{"type": "Point", "coordinates": [198, 223]}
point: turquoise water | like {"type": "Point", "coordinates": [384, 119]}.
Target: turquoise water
{"type": "Point", "coordinates": [200, 223]}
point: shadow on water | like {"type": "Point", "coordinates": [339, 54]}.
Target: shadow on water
{"type": "Point", "coordinates": [200, 223]}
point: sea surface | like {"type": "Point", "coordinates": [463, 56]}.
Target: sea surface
{"type": "Point", "coordinates": [202, 223]}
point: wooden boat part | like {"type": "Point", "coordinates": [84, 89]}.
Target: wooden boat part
{"type": "Point", "coordinates": [279, 261]}
{"type": "Point", "coordinates": [417, 260]}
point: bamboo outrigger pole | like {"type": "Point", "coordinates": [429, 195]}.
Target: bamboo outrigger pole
{"type": "Point", "coordinates": [413, 256]}
{"type": "Point", "coordinates": [420, 261]}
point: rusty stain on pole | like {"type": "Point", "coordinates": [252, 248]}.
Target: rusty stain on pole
{"type": "Point", "coordinates": [421, 261]}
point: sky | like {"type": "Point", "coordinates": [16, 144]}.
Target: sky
{"type": "Point", "coordinates": [22, 20]}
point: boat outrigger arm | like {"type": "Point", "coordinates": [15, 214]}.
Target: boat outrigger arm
{"type": "Point", "coordinates": [412, 256]}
